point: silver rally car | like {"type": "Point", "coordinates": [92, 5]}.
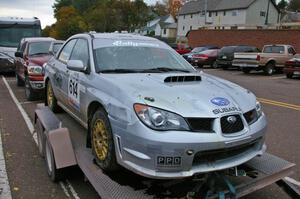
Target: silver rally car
{"type": "Point", "coordinates": [147, 109]}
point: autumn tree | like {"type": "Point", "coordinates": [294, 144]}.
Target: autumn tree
{"type": "Point", "coordinates": [282, 4]}
{"type": "Point", "coordinates": [174, 7]}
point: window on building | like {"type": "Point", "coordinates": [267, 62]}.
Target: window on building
{"type": "Point", "coordinates": [224, 13]}
{"type": "Point", "coordinates": [165, 31]}
{"type": "Point", "coordinates": [234, 13]}
{"type": "Point", "coordinates": [262, 13]}
{"type": "Point", "coordinates": [191, 27]}
{"type": "Point", "coordinates": [191, 15]}
{"type": "Point", "coordinates": [217, 13]}
{"type": "Point", "coordinates": [209, 14]}
{"type": "Point", "coordinates": [182, 27]}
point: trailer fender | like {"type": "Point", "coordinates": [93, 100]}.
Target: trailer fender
{"type": "Point", "coordinates": [61, 144]}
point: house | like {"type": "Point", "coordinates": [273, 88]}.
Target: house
{"type": "Point", "coordinates": [164, 26]}
{"type": "Point", "coordinates": [290, 20]}
{"type": "Point", "coordinates": [226, 14]}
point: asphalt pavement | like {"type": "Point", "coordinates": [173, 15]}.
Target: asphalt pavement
{"type": "Point", "coordinates": [27, 173]}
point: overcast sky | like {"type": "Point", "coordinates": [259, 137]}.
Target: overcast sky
{"type": "Point", "coordinates": [32, 8]}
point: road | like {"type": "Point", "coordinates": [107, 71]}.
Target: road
{"type": "Point", "coordinates": [27, 173]}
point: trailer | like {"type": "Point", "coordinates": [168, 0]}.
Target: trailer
{"type": "Point", "coordinates": [62, 141]}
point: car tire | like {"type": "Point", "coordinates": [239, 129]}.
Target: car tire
{"type": "Point", "coordinates": [269, 69]}
{"type": "Point", "coordinates": [50, 99]}
{"type": "Point", "coordinates": [214, 65]}
{"type": "Point", "coordinates": [246, 70]}
{"type": "Point", "coordinates": [103, 147]}
{"type": "Point", "coordinates": [29, 92]}
{"type": "Point", "coordinates": [54, 173]}
{"type": "Point", "coordinates": [289, 75]}
{"type": "Point", "coordinates": [20, 82]}
{"type": "Point", "coordinates": [40, 137]}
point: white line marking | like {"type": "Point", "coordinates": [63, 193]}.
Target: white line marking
{"type": "Point", "coordinates": [64, 189]}
{"type": "Point", "coordinates": [280, 77]}
{"type": "Point", "coordinates": [293, 181]}
{"type": "Point", "coordinates": [34, 135]}
{"type": "Point", "coordinates": [4, 183]}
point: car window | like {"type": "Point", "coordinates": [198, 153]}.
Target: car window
{"type": "Point", "coordinates": [56, 47]}
{"type": "Point", "coordinates": [66, 51]}
{"type": "Point", "coordinates": [22, 49]}
{"type": "Point", "coordinates": [228, 49]}
{"type": "Point", "coordinates": [291, 51]}
{"type": "Point", "coordinates": [274, 49]}
{"type": "Point", "coordinates": [81, 52]}
{"type": "Point", "coordinates": [37, 48]}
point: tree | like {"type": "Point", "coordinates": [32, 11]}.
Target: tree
{"type": "Point", "coordinates": [294, 5]}
{"type": "Point", "coordinates": [282, 4]}
{"type": "Point", "coordinates": [174, 7]}
{"type": "Point", "coordinates": [159, 8]}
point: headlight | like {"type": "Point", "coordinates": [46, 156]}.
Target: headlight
{"type": "Point", "coordinates": [35, 70]}
{"type": "Point", "coordinates": [160, 119]}
{"type": "Point", "coordinates": [258, 109]}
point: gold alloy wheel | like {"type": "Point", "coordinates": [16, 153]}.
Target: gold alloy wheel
{"type": "Point", "coordinates": [49, 95]}
{"type": "Point", "coordinates": [100, 139]}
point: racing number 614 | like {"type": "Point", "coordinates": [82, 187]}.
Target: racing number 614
{"type": "Point", "coordinates": [73, 88]}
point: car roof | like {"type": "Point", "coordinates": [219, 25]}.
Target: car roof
{"type": "Point", "coordinates": [119, 36]}
{"type": "Point", "coordinates": [36, 39]}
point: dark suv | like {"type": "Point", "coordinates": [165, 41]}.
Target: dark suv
{"type": "Point", "coordinates": [31, 55]}
{"type": "Point", "coordinates": [226, 54]}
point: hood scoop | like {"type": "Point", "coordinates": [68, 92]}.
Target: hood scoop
{"type": "Point", "coordinates": [189, 78]}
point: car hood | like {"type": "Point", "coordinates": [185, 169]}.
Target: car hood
{"type": "Point", "coordinates": [39, 60]}
{"type": "Point", "coordinates": [189, 99]}
{"type": "Point", "coordinates": [9, 52]}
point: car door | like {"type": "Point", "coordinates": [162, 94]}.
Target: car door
{"type": "Point", "coordinates": [60, 72]}
{"type": "Point", "coordinates": [77, 81]}
{"type": "Point", "coordinates": [20, 61]}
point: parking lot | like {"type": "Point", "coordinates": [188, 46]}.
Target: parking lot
{"type": "Point", "coordinates": [27, 172]}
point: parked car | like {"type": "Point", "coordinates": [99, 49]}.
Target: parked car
{"type": "Point", "coordinates": [181, 48]}
{"type": "Point", "coordinates": [145, 108]}
{"type": "Point", "coordinates": [31, 55]}
{"type": "Point", "coordinates": [55, 46]}
{"type": "Point", "coordinates": [197, 50]}
{"type": "Point", "coordinates": [207, 57]}
{"type": "Point", "coordinates": [272, 58]}
{"type": "Point", "coordinates": [226, 54]}
{"type": "Point", "coordinates": [7, 62]}
{"type": "Point", "coordinates": [292, 67]}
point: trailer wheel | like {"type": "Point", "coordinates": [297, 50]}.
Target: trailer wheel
{"type": "Point", "coordinates": [102, 141]}
{"type": "Point", "coordinates": [51, 99]}
{"type": "Point", "coordinates": [40, 137]}
{"type": "Point", "coordinates": [54, 173]}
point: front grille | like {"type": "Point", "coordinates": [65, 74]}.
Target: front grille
{"type": "Point", "coordinates": [251, 116]}
{"type": "Point", "coordinates": [231, 127]}
{"type": "Point", "coordinates": [201, 124]}
{"type": "Point", "coordinates": [224, 153]}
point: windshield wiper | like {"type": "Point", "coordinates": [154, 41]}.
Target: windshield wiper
{"type": "Point", "coordinates": [121, 70]}
{"type": "Point", "coordinates": [165, 69]}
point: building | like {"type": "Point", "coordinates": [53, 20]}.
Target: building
{"type": "Point", "coordinates": [164, 26]}
{"type": "Point", "coordinates": [226, 14]}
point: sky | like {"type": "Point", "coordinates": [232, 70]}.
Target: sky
{"type": "Point", "coordinates": [33, 8]}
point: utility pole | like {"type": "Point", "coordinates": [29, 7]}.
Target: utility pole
{"type": "Point", "coordinates": [267, 15]}
{"type": "Point", "coordinates": [205, 10]}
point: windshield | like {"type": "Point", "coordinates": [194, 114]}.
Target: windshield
{"type": "Point", "coordinates": [56, 47]}
{"type": "Point", "coordinates": [199, 49]}
{"type": "Point", "coordinates": [229, 49]}
{"type": "Point", "coordinates": [11, 36]}
{"type": "Point", "coordinates": [38, 48]}
{"type": "Point", "coordinates": [139, 59]}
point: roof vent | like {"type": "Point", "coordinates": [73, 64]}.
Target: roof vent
{"type": "Point", "coordinates": [194, 78]}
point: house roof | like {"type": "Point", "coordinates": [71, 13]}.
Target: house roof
{"type": "Point", "coordinates": [215, 5]}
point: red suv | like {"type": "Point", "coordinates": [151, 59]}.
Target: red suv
{"type": "Point", "coordinates": [31, 55]}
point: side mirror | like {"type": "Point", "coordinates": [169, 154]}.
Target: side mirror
{"type": "Point", "coordinates": [76, 65]}
{"type": "Point", "coordinates": [19, 54]}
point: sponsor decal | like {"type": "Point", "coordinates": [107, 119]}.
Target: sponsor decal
{"type": "Point", "coordinates": [168, 161]}
{"type": "Point", "coordinates": [135, 44]}
{"type": "Point", "coordinates": [220, 101]}
{"type": "Point", "coordinates": [226, 110]}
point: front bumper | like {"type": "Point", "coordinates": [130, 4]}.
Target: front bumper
{"type": "Point", "coordinates": [224, 62]}
{"type": "Point", "coordinates": [37, 85]}
{"type": "Point", "coordinates": [178, 154]}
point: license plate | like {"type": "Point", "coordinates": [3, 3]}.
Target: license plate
{"type": "Point", "coordinates": [224, 57]}
{"type": "Point", "coordinates": [296, 73]}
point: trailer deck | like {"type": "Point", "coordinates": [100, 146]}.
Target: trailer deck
{"type": "Point", "coordinates": [252, 176]}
